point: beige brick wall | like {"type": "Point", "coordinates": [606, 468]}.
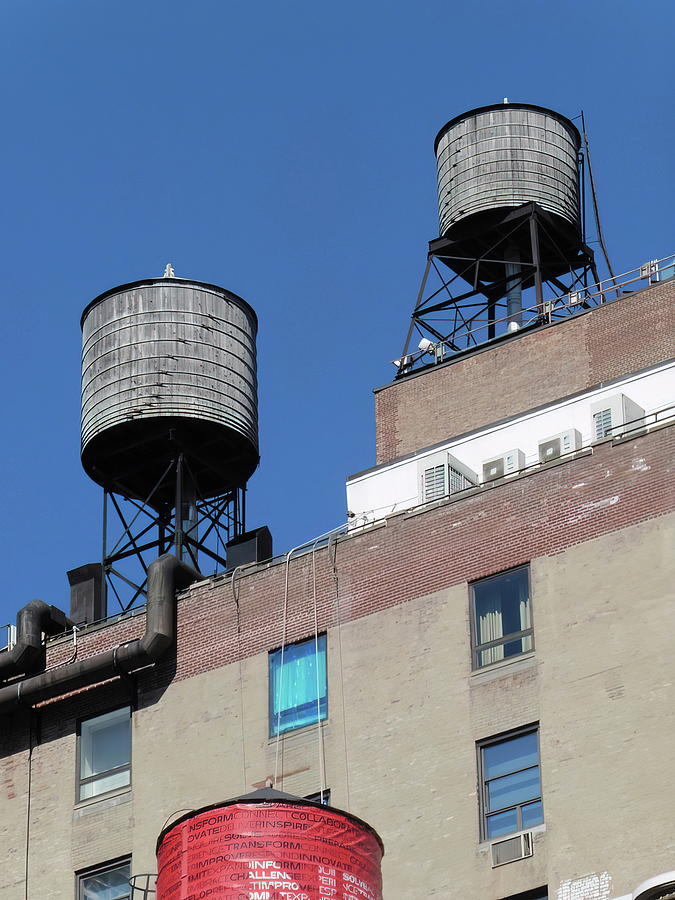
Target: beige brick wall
{"type": "Point", "coordinates": [405, 712]}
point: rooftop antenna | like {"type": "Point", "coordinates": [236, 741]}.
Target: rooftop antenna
{"type": "Point", "coordinates": [596, 211]}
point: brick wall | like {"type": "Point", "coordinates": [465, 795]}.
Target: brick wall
{"type": "Point", "coordinates": [399, 668]}
{"type": "Point", "coordinates": [416, 553]}
{"type": "Point", "coordinates": [525, 372]}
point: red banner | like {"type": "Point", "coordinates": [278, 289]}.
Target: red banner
{"type": "Point", "coordinates": [269, 851]}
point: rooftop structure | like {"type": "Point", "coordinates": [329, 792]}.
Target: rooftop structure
{"type": "Point", "coordinates": [478, 664]}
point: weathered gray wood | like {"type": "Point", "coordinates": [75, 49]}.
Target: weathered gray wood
{"type": "Point", "coordinates": [504, 158]}
{"type": "Point", "coordinates": [169, 348]}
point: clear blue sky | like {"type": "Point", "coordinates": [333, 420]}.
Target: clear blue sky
{"type": "Point", "coordinates": [284, 151]}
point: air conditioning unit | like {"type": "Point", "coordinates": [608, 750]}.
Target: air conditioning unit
{"type": "Point", "coordinates": [510, 462]}
{"type": "Point", "coordinates": [559, 444]}
{"type": "Point", "coordinates": [614, 416]}
{"type": "Point", "coordinates": [460, 477]}
{"type": "Point", "coordinates": [519, 847]}
{"type": "Point", "coordinates": [442, 474]}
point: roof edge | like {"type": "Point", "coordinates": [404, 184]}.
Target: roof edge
{"type": "Point", "coordinates": [494, 106]}
{"type": "Point", "coordinates": [160, 279]}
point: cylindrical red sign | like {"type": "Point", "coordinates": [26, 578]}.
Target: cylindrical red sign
{"type": "Point", "coordinates": [269, 851]}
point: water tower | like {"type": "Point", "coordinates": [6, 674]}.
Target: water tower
{"type": "Point", "coordinates": [169, 421]}
{"type": "Point", "coordinates": [511, 215]}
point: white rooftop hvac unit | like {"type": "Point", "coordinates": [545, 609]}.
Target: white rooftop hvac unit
{"type": "Point", "coordinates": [559, 444]}
{"type": "Point", "coordinates": [615, 415]}
{"type": "Point", "coordinates": [442, 474]}
{"type": "Point", "coordinates": [508, 464]}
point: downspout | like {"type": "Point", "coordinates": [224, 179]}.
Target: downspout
{"type": "Point", "coordinates": [28, 654]}
{"type": "Point", "coordinates": [166, 575]}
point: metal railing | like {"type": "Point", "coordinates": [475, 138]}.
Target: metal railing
{"type": "Point", "coordinates": [144, 886]}
{"type": "Point", "coordinates": [10, 637]}
{"type": "Point", "coordinates": [552, 310]}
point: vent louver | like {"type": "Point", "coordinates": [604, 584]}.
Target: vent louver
{"type": "Point", "coordinates": [512, 849]}
{"type": "Point", "coordinates": [434, 483]}
{"type": "Point", "coordinates": [602, 424]}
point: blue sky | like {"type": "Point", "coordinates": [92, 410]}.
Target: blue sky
{"type": "Point", "coordinates": [284, 151]}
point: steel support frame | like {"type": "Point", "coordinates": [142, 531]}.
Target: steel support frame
{"type": "Point", "coordinates": [463, 313]}
{"type": "Point", "coordinates": [149, 532]}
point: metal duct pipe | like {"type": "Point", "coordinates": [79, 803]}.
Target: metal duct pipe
{"type": "Point", "coordinates": [28, 654]}
{"type": "Point", "coordinates": [166, 575]}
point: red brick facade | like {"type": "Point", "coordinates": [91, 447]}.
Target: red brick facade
{"type": "Point", "coordinates": [524, 372]}
{"type": "Point", "coordinates": [413, 554]}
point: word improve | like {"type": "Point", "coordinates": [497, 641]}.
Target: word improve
{"type": "Point", "coordinates": [269, 851]}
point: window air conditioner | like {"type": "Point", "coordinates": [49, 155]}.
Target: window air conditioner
{"type": "Point", "coordinates": [559, 444]}
{"type": "Point", "coordinates": [519, 847]}
{"type": "Point", "coordinates": [615, 415]}
{"type": "Point", "coordinates": [510, 462]}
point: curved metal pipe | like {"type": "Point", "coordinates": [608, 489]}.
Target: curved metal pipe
{"type": "Point", "coordinates": [166, 575]}
{"type": "Point", "coordinates": [28, 654]}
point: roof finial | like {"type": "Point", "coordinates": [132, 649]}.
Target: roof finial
{"type": "Point", "coordinates": [169, 272]}
{"type": "Point", "coordinates": [506, 99]}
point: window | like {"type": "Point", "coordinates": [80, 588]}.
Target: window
{"type": "Point", "coordinates": [502, 618]}
{"type": "Point", "coordinates": [107, 883]}
{"type": "Point", "coordinates": [320, 797]}
{"type": "Point", "coordinates": [105, 753]}
{"type": "Point", "coordinates": [297, 685]}
{"type": "Point", "coordinates": [511, 786]}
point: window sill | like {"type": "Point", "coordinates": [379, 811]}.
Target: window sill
{"type": "Point", "coordinates": [305, 729]}
{"type": "Point", "coordinates": [110, 798]}
{"type": "Point", "coordinates": [522, 661]}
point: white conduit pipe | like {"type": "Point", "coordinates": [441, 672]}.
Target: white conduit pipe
{"type": "Point", "coordinates": [310, 543]}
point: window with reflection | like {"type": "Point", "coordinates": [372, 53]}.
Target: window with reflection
{"type": "Point", "coordinates": [502, 616]}
{"type": "Point", "coordinates": [511, 784]}
{"type": "Point", "coordinates": [105, 753]}
{"type": "Point", "coordinates": [106, 883]}
{"type": "Point", "coordinates": [298, 692]}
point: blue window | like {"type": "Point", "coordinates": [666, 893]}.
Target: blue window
{"type": "Point", "coordinates": [298, 689]}
{"type": "Point", "coordinates": [511, 795]}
